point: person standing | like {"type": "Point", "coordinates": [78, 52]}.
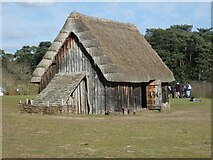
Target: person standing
{"type": "Point", "coordinates": [188, 90]}
{"type": "Point", "coordinates": [177, 90]}
{"type": "Point", "coordinates": [173, 90]}
{"type": "Point", "coordinates": [181, 88]}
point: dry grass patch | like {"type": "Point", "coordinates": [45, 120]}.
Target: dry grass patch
{"type": "Point", "coordinates": [182, 132]}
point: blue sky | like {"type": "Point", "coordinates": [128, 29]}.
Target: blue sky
{"type": "Point", "coordinates": [29, 23]}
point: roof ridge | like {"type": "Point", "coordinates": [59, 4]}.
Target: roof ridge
{"type": "Point", "coordinates": [77, 15]}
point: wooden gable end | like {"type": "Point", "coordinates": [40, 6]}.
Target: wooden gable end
{"type": "Point", "coordinates": [72, 57]}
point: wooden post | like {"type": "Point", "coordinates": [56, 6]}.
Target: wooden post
{"type": "Point", "coordinates": [88, 94]}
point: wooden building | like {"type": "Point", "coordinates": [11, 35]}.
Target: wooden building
{"type": "Point", "coordinates": [97, 66]}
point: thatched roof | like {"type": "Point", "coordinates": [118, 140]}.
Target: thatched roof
{"type": "Point", "coordinates": [118, 49]}
{"type": "Point", "coordinates": [55, 93]}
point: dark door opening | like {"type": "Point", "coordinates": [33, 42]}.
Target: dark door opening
{"type": "Point", "coordinates": [143, 95]}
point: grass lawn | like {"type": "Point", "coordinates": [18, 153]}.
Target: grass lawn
{"type": "Point", "coordinates": [184, 131]}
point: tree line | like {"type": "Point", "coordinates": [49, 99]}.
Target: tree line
{"type": "Point", "coordinates": [17, 67]}
{"type": "Point", "coordinates": [187, 53]}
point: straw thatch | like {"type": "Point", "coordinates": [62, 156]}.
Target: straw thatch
{"type": "Point", "coordinates": [118, 49]}
{"type": "Point", "coordinates": [55, 93]}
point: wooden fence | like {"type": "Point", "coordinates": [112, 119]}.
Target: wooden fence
{"type": "Point", "coordinates": [201, 89]}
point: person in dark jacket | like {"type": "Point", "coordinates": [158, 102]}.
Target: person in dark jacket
{"type": "Point", "coordinates": [177, 90]}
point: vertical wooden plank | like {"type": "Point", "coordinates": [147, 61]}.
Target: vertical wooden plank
{"type": "Point", "coordinates": [77, 93]}
{"type": "Point", "coordinates": [60, 61]}
{"type": "Point", "coordinates": [69, 54]}
{"type": "Point", "coordinates": [130, 96]}
{"type": "Point", "coordinates": [102, 98]}
{"type": "Point", "coordinates": [88, 95]}
{"type": "Point", "coordinates": [57, 63]}
{"type": "Point", "coordinates": [106, 98]}
{"type": "Point", "coordinates": [76, 57]}
{"type": "Point", "coordinates": [83, 61]}
{"type": "Point", "coordinates": [59, 58]}
{"type": "Point", "coordinates": [65, 57]}
{"type": "Point", "coordinates": [64, 67]}
{"type": "Point", "coordinates": [68, 42]}
{"type": "Point", "coordinates": [80, 102]}
{"type": "Point", "coordinates": [120, 96]}
{"type": "Point", "coordinates": [62, 53]}
{"type": "Point", "coordinates": [58, 69]}
{"type": "Point", "coordinates": [134, 97]}
{"type": "Point", "coordinates": [90, 91]}
{"type": "Point", "coordinates": [124, 97]}
{"type": "Point", "coordinates": [111, 100]}
{"type": "Point", "coordinates": [68, 59]}
{"type": "Point", "coordinates": [91, 86]}
{"type": "Point", "coordinates": [100, 92]}
{"type": "Point", "coordinates": [83, 95]}
{"type": "Point", "coordinates": [75, 101]}
{"type": "Point", "coordinates": [115, 98]}
{"type": "Point", "coordinates": [119, 99]}
{"type": "Point", "coordinates": [80, 58]}
{"type": "Point", "coordinates": [96, 94]}
{"type": "Point", "coordinates": [72, 54]}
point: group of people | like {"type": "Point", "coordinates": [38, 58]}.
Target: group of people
{"type": "Point", "coordinates": [180, 90]}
